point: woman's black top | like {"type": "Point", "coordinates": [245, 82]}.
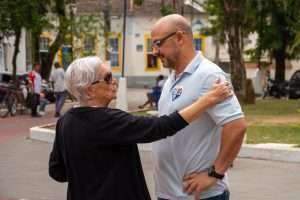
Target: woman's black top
{"type": "Point", "coordinates": [95, 151]}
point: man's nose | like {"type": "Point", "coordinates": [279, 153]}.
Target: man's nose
{"type": "Point", "coordinates": [155, 50]}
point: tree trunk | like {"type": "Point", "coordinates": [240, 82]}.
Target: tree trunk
{"type": "Point", "coordinates": [64, 23]}
{"type": "Point", "coordinates": [36, 48]}
{"type": "Point", "coordinates": [106, 29]}
{"type": "Point", "coordinates": [280, 56]}
{"type": "Point", "coordinates": [233, 10]}
{"type": "Point", "coordinates": [15, 55]}
{"type": "Point", "coordinates": [58, 42]}
{"type": "Point", "coordinates": [217, 51]}
{"type": "Point", "coordinates": [237, 65]}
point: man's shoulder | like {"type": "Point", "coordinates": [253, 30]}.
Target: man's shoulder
{"type": "Point", "coordinates": [209, 67]}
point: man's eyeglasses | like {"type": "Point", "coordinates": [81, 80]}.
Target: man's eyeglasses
{"type": "Point", "coordinates": [159, 42]}
{"type": "Point", "coordinates": [107, 79]}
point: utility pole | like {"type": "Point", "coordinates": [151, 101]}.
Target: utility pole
{"type": "Point", "coordinates": [124, 36]}
{"type": "Point", "coordinates": [122, 90]}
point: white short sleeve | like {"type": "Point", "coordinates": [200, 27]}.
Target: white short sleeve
{"type": "Point", "coordinates": [229, 109]}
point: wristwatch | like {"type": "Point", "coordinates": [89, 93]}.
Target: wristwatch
{"type": "Point", "coordinates": [212, 173]}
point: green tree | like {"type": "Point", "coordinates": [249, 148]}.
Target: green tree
{"type": "Point", "coordinates": [230, 21]}
{"type": "Point", "coordinates": [138, 2]}
{"type": "Point", "coordinates": [278, 28]}
{"type": "Point", "coordinates": [63, 19]}
{"type": "Point", "coordinates": [17, 15]}
{"type": "Point", "coordinates": [165, 8]}
{"type": "Point", "coordinates": [67, 24]}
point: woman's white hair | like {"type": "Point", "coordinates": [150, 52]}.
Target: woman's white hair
{"type": "Point", "coordinates": [80, 74]}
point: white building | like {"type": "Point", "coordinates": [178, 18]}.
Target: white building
{"type": "Point", "coordinates": [6, 55]}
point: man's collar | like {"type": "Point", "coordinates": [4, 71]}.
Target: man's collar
{"type": "Point", "coordinates": [193, 65]}
{"type": "Point", "coordinates": [190, 68]}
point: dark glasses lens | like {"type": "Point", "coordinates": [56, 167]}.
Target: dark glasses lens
{"type": "Point", "coordinates": [108, 77]}
{"type": "Point", "coordinates": [159, 42]}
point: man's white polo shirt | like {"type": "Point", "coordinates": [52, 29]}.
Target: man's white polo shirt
{"type": "Point", "coordinates": [195, 148]}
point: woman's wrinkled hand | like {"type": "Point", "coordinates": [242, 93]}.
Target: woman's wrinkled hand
{"type": "Point", "coordinates": [219, 92]}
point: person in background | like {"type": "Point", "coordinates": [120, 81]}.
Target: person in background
{"type": "Point", "coordinates": [57, 79]}
{"type": "Point", "coordinates": [43, 103]}
{"type": "Point", "coordinates": [193, 163]}
{"type": "Point", "coordinates": [154, 95]}
{"type": "Point", "coordinates": [35, 82]}
{"type": "Point", "coordinates": [268, 83]}
{"type": "Point", "coordinates": [95, 147]}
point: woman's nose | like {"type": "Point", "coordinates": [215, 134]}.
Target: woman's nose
{"type": "Point", "coordinates": [115, 82]}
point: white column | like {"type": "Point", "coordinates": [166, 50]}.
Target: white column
{"type": "Point", "coordinates": [121, 102]}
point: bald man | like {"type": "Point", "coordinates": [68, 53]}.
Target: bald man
{"type": "Point", "coordinates": [193, 163]}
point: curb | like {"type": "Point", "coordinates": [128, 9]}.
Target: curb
{"type": "Point", "coordinates": [41, 133]}
{"type": "Point", "coordinates": [266, 153]}
{"type": "Point", "coordinates": [283, 152]}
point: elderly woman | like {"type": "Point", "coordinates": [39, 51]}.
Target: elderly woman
{"type": "Point", "coordinates": [95, 147]}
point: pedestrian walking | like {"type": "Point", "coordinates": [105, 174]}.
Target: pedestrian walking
{"type": "Point", "coordinates": [57, 80]}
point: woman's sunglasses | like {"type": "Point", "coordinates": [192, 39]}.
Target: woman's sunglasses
{"type": "Point", "coordinates": [107, 79]}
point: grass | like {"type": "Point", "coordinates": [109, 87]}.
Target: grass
{"type": "Point", "coordinates": [270, 121]}
{"type": "Point", "coordinates": [264, 133]}
{"type": "Point", "coordinates": [141, 113]}
{"type": "Point", "coordinates": [273, 107]}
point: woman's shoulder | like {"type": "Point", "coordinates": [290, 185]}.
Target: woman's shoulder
{"type": "Point", "coordinates": [101, 111]}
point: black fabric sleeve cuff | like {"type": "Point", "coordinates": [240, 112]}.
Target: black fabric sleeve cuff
{"type": "Point", "coordinates": [180, 122]}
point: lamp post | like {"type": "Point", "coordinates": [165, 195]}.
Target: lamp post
{"type": "Point", "coordinates": [73, 9]}
{"type": "Point", "coordinates": [124, 36]}
{"type": "Point", "coordinates": [122, 90]}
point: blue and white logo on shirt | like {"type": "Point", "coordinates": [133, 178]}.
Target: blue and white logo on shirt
{"type": "Point", "coordinates": [176, 92]}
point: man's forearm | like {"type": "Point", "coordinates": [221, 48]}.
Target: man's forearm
{"type": "Point", "coordinates": [231, 141]}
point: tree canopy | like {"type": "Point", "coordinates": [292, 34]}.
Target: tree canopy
{"type": "Point", "coordinates": [278, 28]}
{"type": "Point", "coordinates": [21, 14]}
{"type": "Point", "coordinates": [230, 22]}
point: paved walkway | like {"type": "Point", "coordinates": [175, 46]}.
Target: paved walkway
{"type": "Point", "coordinates": [24, 162]}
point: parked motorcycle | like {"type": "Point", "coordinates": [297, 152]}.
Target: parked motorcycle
{"type": "Point", "coordinates": [276, 89]}
{"type": "Point", "coordinates": [48, 91]}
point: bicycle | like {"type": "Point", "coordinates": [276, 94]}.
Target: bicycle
{"type": "Point", "coordinates": [7, 101]}
{"type": "Point", "coordinates": [11, 100]}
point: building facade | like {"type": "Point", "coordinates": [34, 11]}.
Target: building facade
{"type": "Point", "coordinates": [88, 38]}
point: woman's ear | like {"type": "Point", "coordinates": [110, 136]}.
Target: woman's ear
{"type": "Point", "coordinates": [90, 92]}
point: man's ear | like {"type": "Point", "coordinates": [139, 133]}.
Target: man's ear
{"type": "Point", "coordinates": [180, 37]}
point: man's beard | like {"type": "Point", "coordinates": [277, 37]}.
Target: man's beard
{"type": "Point", "coordinates": [168, 63]}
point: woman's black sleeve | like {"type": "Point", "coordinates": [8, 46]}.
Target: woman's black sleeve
{"type": "Point", "coordinates": [125, 128]}
{"type": "Point", "coordinates": [57, 169]}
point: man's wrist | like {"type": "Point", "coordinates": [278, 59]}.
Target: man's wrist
{"type": "Point", "coordinates": [211, 172]}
